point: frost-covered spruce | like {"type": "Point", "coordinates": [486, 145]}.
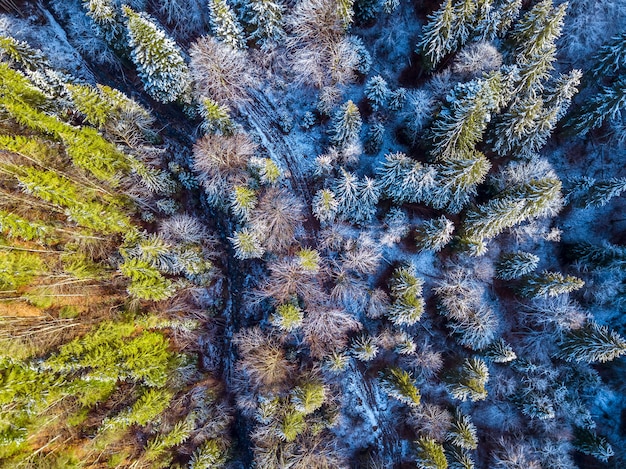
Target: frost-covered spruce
{"type": "Point", "coordinates": [346, 125]}
{"type": "Point", "coordinates": [287, 317]}
{"type": "Point", "coordinates": [397, 226]}
{"type": "Point", "coordinates": [463, 432]}
{"type": "Point", "coordinates": [400, 385]}
{"type": "Point", "coordinates": [438, 35]}
{"type": "Point", "coordinates": [514, 265]}
{"type": "Point", "coordinates": [158, 59]}
{"type": "Point", "coordinates": [490, 219]}
{"type": "Point", "coordinates": [602, 192]}
{"type": "Point", "coordinates": [466, 113]}
{"type": "Point", "coordinates": [368, 195]}
{"type": "Point", "coordinates": [588, 442]}
{"type": "Point", "coordinates": [403, 179]}
{"type": "Point", "coordinates": [604, 255]}
{"type": "Point", "coordinates": [535, 38]}
{"type": "Point", "coordinates": [374, 139]}
{"type": "Point", "coordinates": [346, 192]}
{"type": "Point", "coordinates": [107, 20]}
{"type": "Point", "coordinates": [364, 59]}
{"type": "Point", "coordinates": [458, 179]}
{"type": "Point", "coordinates": [242, 200]}
{"type": "Point", "coordinates": [225, 25]}
{"type": "Point", "coordinates": [247, 244]}
{"type": "Point", "coordinates": [325, 206]}
{"type": "Point", "coordinates": [397, 99]}
{"type": "Point", "coordinates": [266, 19]}
{"type": "Point", "coordinates": [377, 92]}
{"type": "Point", "coordinates": [215, 117]}
{"type": "Point", "coordinates": [434, 234]}
{"type": "Point", "coordinates": [430, 454]}
{"type": "Point", "coordinates": [528, 123]}
{"type": "Point", "coordinates": [591, 344]}
{"type": "Point", "coordinates": [364, 348]}
{"type": "Point", "coordinates": [408, 304]}
{"type": "Point", "coordinates": [500, 352]}
{"type": "Point", "coordinates": [418, 109]}
{"type": "Point", "coordinates": [469, 380]}
{"type": "Point", "coordinates": [549, 284]}
{"type": "Point", "coordinates": [606, 104]}
{"type": "Point", "coordinates": [611, 58]}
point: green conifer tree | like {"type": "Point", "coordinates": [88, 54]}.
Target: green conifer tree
{"type": "Point", "coordinates": [549, 284]}
{"type": "Point", "coordinates": [400, 385]}
{"type": "Point", "coordinates": [588, 442]}
{"type": "Point", "coordinates": [468, 382]}
{"type": "Point", "coordinates": [266, 19]}
{"type": "Point", "coordinates": [346, 125]}
{"type": "Point", "coordinates": [158, 59]}
{"type": "Point", "coordinates": [606, 104]}
{"type": "Point", "coordinates": [377, 92]}
{"type": "Point", "coordinates": [458, 179]}
{"type": "Point", "coordinates": [225, 25]}
{"type": "Point", "coordinates": [600, 193]}
{"type": "Point", "coordinates": [374, 139]}
{"type": "Point", "coordinates": [592, 343]}
{"type": "Point", "coordinates": [434, 234]}
{"type": "Point", "coordinates": [430, 454]}
{"type": "Point", "coordinates": [463, 432]}
{"type": "Point", "coordinates": [514, 265]}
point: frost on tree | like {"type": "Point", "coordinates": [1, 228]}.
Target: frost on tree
{"type": "Point", "coordinates": [159, 60]}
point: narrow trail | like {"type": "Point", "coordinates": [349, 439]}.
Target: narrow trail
{"type": "Point", "coordinates": [280, 147]}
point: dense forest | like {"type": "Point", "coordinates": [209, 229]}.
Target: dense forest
{"type": "Point", "coordinates": [313, 234]}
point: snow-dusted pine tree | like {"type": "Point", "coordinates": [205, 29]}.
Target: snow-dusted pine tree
{"type": "Point", "coordinates": [225, 25]}
{"type": "Point", "coordinates": [158, 59]}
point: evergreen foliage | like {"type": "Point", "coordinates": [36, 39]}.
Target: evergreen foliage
{"type": "Point", "coordinates": [158, 59]}
{"type": "Point", "coordinates": [266, 19]}
{"type": "Point", "coordinates": [588, 442]}
{"type": "Point", "coordinates": [377, 92]}
{"type": "Point", "coordinates": [434, 234]}
{"type": "Point", "coordinates": [514, 265]}
{"type": "Point", "coordinates": [549, 284]}
{"type": "Point", "coordinates": [400, 385]}
{"type": "Point", "coordinates": [469, 380]}
{"type": "Point", "coordinates": [463, 432]}
{"type": "Point", "coordinates": [346, 125]}
{"type": "Point", "coordinates": [225, 25]}
{"type": "Point", "coordinates": [430, 454]}
{"type": "Point", "coordinates": [592, 343]}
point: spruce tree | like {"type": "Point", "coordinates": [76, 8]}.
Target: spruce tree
{"type": "Point", "coordinates": [549, 284]}
{"type": "Point", "coordinates": [377, 92]}
{"type": "Point", "coordinates": [266, 19]}
{"type": "Point", "coordinates": [158, 59]}
{"type": "Point", "coordinates": [215, 117]}
{"type": "Point", "coordinates": [500, 352]}
{"type": "Point", "coordinates": [403, 179]}
{"type": "Point", "coordinates": [588, 442]}
{"type": "Point", "coordinates": [430, 454]}
{"type": "Point", "coordinates": [535, 36]}
{"type": "Point", "coordinates": [438, 35]}
{"type": "Point", "coordinates": [463, 432]}
{"type": "Point", "coordinates": [325, 206]}
{"type": "Point", "coordinates": [374, 139]}
{"type": "Point", "coordinates": [461, 123]}
{"type": "Point", "coordinates": [400, 385]}
{"type": "Point", "coordinates": [458, 179]}
{"type": "Point", "coordinates": [225, 25]}
{"type": "Point", "coordinates": [591, 344]}
{"type": "Point", "coordinates": [606, 104]}
{"type": "Point", "coordinates": [346, 125]}
{"type": "Point", "coordinates": [408, 304]}
{"type": "Point", "coordinates": [514, 265]}
{"type": "Point", "coordinates": [469, 380]}
{"type": "Point", "coordinates": [611, 58]}
{"type": "Point", "coordinates": [434, 234]}
{"type": "Point", "coordinates": [600, 193]}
